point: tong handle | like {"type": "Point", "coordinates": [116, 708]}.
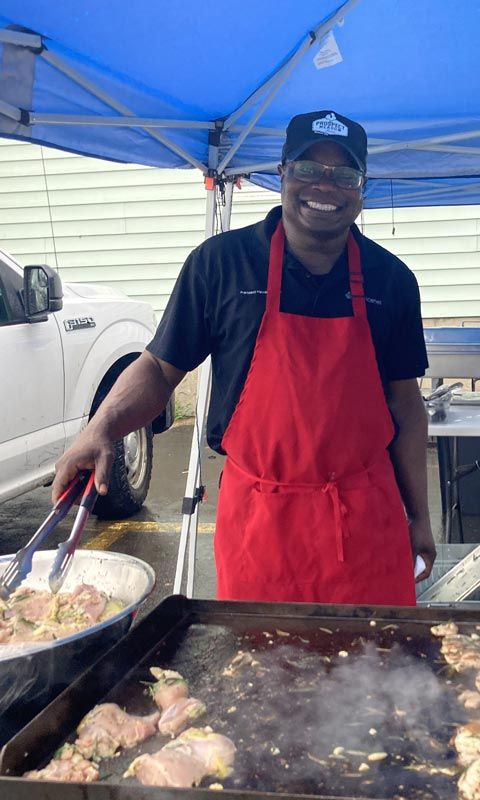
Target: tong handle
{"type": "Point", "coordinates": [21, 564]}
{"type": "Point", "coordinates": [66, 549]}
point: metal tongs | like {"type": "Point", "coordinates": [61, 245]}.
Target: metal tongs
{"type": "Point", "coordinates": [438, 402]}
{"type": "Point", "coordinates": [21, 564]}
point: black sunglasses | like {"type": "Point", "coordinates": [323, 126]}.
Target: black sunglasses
{"type": "Point", "coordinates": [312, 171]}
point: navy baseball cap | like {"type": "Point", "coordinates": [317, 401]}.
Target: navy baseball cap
{"type": "Point", "coordinates": [305, 130]}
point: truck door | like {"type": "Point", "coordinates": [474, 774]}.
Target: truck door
{"type": "Point", "coordinates": [32, 434]}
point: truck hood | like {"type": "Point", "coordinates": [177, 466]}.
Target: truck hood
{"type": "Point", "coordinates": [92, 290]}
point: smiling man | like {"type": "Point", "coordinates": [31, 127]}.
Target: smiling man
{"type": "Point", "coordinates": [316, 341]}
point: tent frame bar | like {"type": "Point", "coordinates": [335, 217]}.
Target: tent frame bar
{"type": "Point", "coordinates": [272, 86]}
{"type": "Point", "coordinates": [282, 73]}
{"type": "Point", "coordinates": [21, 38]}
{"type": "Point", "coordinates": [72, 73]}
{"type": "Point", "coordinates": [124, 122]}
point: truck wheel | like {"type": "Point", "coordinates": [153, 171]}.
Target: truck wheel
{"type": "Point", "coordinates": [130, 478]}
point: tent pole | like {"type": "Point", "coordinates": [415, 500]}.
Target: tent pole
{"type": "Point", "coordinates": [202, 409]}
{"type": "Point", "coordinates": [194, 490]}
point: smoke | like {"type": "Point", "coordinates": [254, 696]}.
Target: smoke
{"type": "Point", "coordinates": [350, 724]}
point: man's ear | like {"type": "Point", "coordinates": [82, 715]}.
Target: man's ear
{"type": "Point", "coordinates": [281, 171]}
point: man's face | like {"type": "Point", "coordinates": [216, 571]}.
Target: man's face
{"type": "Point", "coordinates": [321, 207]}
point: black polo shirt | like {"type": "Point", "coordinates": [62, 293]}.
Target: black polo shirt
{"type": "Point", "coordinates": [218, 301]}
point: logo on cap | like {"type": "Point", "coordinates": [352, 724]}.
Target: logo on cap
{"type": "Point", "coordinates": [329, 126]}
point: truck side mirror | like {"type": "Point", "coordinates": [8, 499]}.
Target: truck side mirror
{"type": "Point", "coordinates": [42, 292]}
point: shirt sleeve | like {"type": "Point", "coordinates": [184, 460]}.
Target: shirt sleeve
{"type": "Point", "coordinates": [183, 336]}
{"type": "Point", "coordinates": [406, 354]}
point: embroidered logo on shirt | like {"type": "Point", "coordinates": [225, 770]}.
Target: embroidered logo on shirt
{"type": "Point", "coordinates": [329, 125]}
{"type": "Point", "coordinates": [253, 291]}
{"type": "Point", "coordinates": [373, 300]}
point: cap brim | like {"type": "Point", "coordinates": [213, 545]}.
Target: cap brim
{"type": "Point", "coordinates": [293, 154]}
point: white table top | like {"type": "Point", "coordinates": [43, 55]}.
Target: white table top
{"type": "Point", "coordinates": [462, 420]}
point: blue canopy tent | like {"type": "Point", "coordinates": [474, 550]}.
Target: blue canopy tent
{"type": "Point", "coordinates": [197, 84]}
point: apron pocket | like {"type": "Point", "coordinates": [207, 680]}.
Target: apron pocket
{"type": "Point", "coordinates": [283, 538]}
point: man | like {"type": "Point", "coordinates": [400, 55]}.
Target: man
{"type": "Point", "coordinates": [316, 342]}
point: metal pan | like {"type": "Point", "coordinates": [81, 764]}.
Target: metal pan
{"type": "Point", "coordinates": [32, 674]}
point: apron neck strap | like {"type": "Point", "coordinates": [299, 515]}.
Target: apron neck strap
{"type": "Point", "coordinates": [275, 268]}
{"type": "Point", "coordinates": [356, 277]}
{"type": "Point", "coordinates": [275, 271]}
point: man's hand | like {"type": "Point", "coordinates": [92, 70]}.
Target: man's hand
{"type": "Point", "coordinates": [423, 545]}
{"type": "Point", "coordinates": [90, 451]}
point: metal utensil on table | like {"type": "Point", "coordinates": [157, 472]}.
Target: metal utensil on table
{"type": "Point", "coordinates": [21, 564]}
{"type": "Point", "coordinates": [66, 549]}
{"type": "Point", "coordinates": [438, 402]}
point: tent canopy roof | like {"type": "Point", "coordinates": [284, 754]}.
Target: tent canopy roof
{"type": "Point", "coordinates": [409, 72]}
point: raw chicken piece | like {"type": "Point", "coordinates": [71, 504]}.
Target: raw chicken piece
{"type": "Point", "coordinates": [215, 751]}
{"type": "Point", "coordinates": [467, 743]}
{"type": "Point", "coordinates": [469, 783]}
{"type": "Point", "coordinates": [181, 714]}
{"type": "Point", "coordinates": [85, 601]}
{"type": "Point", "coordinates": [6, 631]}
{"type": "Point", "coordinates": [470, 699]}
{"type": "Point", "coordinates": [107, 727]}
{"type": "Point", "coordinates": [32, 605]}
{"type": "Point", "coordinates": [167, 768]}
{"type": "Point", "coordinates": [68, 765]}
{"type": "Point", "coordinates": [444, 629]}
{"type": "Point", "coordinates": [169, 687]}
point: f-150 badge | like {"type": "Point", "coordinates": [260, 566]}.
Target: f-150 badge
{"type": "Point", "coordinates": [77, 323]}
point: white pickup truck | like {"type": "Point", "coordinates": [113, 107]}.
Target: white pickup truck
{"type": "Point", "coordinates": [61, 349]}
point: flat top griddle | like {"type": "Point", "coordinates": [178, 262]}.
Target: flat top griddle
{"type": "Point", "coordinates": [311, 695]}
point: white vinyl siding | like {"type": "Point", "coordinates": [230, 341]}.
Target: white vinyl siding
{"type": "Point", "coordinates": [132, 227]}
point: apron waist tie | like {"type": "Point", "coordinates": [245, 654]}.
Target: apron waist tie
{"type": "Point", "coordinates": [339, 514]}
{"type": "Point", "coordinates": [332, 488]}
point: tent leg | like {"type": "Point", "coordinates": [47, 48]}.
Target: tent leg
{"type": "Point", "coordinates": [188, 535]}
{"type": "Point", "coordinates": [193, 490]}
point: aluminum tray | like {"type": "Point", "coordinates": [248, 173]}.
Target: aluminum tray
{"type": "Point", "coordinates": [453, 352]}
{"type": "Point", "coordinates": [31, 675]}
{"type": "Point", "coordinates": [199, 638]}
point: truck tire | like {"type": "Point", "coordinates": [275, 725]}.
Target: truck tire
{"type": "Point", "coordinates": [131, 473]}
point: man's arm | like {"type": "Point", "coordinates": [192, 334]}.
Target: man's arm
{"type": "Point", "coordinates": [139, 395]}
{"type": "Point", "coordinates": [409, 457]}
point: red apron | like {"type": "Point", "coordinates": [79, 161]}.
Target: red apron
{"type": "Point", "coordinates": [309, 509]}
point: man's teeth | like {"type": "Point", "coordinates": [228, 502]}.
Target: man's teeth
{"type": "Point", "coordinates": [320, 206]}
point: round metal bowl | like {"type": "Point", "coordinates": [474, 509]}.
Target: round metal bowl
{"type": "Point", "coordinates": [32, 674]}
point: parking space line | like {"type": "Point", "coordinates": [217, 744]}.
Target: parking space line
{"type": "Point", "coordinates": [113, 531]}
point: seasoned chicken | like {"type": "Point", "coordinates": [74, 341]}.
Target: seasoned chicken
{"type": "Point", "coordinates": [32, 615]}
{"type": "Point", "coordinates": [32, 605]}
{"type": "Point", "coordinates": [167, 768]}
{"type": "Point", "coordinates": [215, 751]}
{"type": "Point", "coordinates": [181, 714]}
{"type": "Point", "coordinates": [467, 743]}
{"type": "Point", "coordinates": [68, 765]}
{"type": "Point", "coordinates": [168, 688]}
{"type": "Point", "coordinates": [85, 601]}
{"type": "Point", "coordinates": [444, 629]}
{"type": "Point", "coordinates": [470, 699]}
{"type": "Point", "coordinates": [107, 727]}
{"type": "Point", "coordinates": [469, 783]}
{"type": "Point", "coordinates": [461, 652]}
